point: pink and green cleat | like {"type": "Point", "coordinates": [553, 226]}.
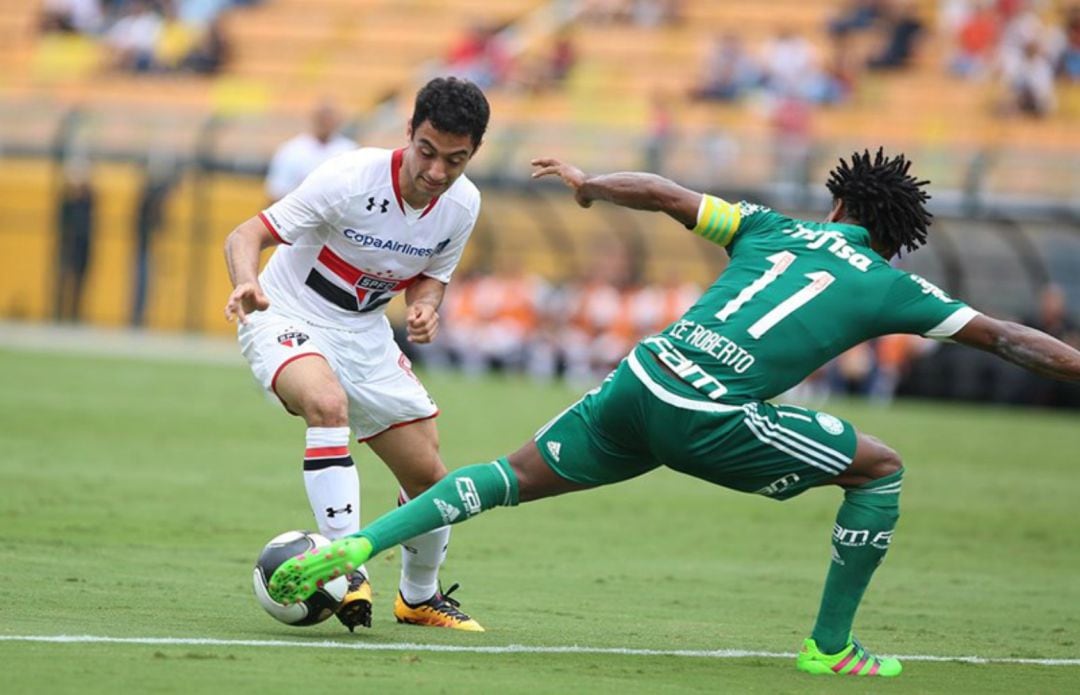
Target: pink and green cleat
{"type": "Point", "coordinates": [299, 577]}
{"type": "Point", "coordinates": [852, 660]}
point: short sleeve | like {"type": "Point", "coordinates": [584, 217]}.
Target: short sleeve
{"type": "Point", "coordinates": [448, 252]}
{"type": "Point", "coordinates": [315, 203]}
{"type": "Point", "coordinates": [917, 306]}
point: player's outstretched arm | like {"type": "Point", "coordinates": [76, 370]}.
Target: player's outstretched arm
{"type": "Point", "coordinates": [1028, 347]}
{"type": "Point", "coordinates": [637, 190]}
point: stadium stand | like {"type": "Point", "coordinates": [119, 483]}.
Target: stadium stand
{"type": "Point", "coordinates": [58, 101]}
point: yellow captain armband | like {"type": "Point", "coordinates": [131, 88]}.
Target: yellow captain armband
{"type": "Point", "coordinates": [717, 220]}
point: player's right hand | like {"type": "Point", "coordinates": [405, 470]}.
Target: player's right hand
{"type": "Point", "coordinates": [570, 174]}
{"type": "Point", "coordinates": [248, 297]}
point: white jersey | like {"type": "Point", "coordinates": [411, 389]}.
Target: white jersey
{"type": "Point", "coordinates": [351, 243]}
{"type": "Point", "coordinates": [298, 157]}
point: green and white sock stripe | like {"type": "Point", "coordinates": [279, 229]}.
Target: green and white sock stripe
{"type": "Point", "coordinates": [889, 485]}
{"type": "Point", "coordinates": [508, 499]}
{"type": "Point", "coordinates": [794, 444]}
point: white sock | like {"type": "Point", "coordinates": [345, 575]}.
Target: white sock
{"type": "Point", "coordinates": [421, 557]}
{"type": "Point", "coordinates": [333, 485]}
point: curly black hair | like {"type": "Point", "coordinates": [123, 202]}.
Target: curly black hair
{"type": "Point", "coordinates": [453, 106]}
{"type": "Point", "coordinates": [881, 196]}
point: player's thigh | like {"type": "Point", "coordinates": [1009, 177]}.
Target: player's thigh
{"type": "Point", "coordinates": [293, 361]}
{"type": "Point", "coordinates": [775, 451]}
{"type": "Point", "coordinates": [599, 439]}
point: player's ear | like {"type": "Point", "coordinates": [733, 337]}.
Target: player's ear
{"type": "Point", "coordinates": [838, 211]}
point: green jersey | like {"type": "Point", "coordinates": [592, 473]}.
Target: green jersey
{"type": "Point", "coordinates": [795, 295]}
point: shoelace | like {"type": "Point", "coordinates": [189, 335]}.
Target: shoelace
{"type": "Point", "coordinates": [442, 601]}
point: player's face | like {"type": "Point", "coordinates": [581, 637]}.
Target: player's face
{"type": "Point", "coordinates": [433, 161]}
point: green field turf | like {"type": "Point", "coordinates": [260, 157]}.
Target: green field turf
{"type": "Point", "coordinates": [135, 496]}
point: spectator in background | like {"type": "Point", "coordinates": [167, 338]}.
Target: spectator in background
{"type": "Point", "coordinates": [902, 29]}
{"type": "Point", "coordinates": [1053, 318]}
{"type": "Point", "coordinates": [133, 37]}
{"type": "Point", "coordinates": [975, 39]}
{"type": "Point", "coordinates": [158, 183]}
{"type": "Point", "coordinates": [857, 15]}
{"type": "Point", "coordinates": [788, 63]}
{"type": "Point", "coordinates": [210, 52]}
{"type": "Point", "coordinates": [480, 56]}
{"type": "Point", "coordinates": [1027, 81]}
{"type": "Point", "coordinates": [563, 57]}
{"type": "Point", "coordinates": [175, 40]}
{"type": "Point", "coordinates": [1069, 64]}
{"type": "Point", "coordinates": [300, 155]}
{"type": "Point", "coordinates": [549, 67]}
{"type": "Point", "coordinates": [71, 16]}
{"type": "Point", "coordinates": [728, 70]}
{"type": "Point", "coordinates": [661, 132]}
{"type": "Point", "coordinates": [76, 229]}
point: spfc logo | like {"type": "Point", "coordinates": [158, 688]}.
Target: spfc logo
{"type": "Point", "coordinates": [292, 338]}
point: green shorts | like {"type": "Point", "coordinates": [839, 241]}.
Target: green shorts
{"type": "Point", "coordinates": [631, 424]}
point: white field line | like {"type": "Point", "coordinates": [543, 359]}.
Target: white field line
{"type": "Point", "coordinates": [507, 649]}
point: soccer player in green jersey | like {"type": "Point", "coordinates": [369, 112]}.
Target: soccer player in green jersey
{"type": "Point", "coordinates": [695, 397]}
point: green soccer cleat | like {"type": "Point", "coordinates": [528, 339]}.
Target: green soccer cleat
{"type": "Point", "coordinates": [852, 660]}
{"type": "Point", "coordinates": [299, 577]}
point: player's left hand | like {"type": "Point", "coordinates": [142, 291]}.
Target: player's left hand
{"type": "Point", "coordinates": [422, 323]}
{"type": "Point", "coordinates": [570, 174]}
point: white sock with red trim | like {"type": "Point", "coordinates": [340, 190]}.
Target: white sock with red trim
{"type": "Point", "coordinates": [421, 558]}
{"type": "Point", "coordinates": [333, 485]}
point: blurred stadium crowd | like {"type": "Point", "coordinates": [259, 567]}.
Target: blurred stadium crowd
{"type": "Point", "coordinates": [1012, 43]}
{"type": "Point", "coordinates": [148, 35]}
{"type": "Point", "coordinates": [780, 70]}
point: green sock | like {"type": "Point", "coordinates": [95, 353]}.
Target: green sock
{"type": "Point", "coordinates": [462, 494]}
{"type": "Point", "coordinates": [861, 536]}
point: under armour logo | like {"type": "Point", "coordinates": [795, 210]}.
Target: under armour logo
{"type": "Point", "coordinates": [331, 512]}
{"type": "Point", "coordinates": [382, 206]}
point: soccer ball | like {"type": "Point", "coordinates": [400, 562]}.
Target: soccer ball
{"type": "Point", "coordinates": [320, 605]}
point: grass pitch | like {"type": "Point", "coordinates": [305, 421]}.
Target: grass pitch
{"type": "Point", "coordinates": [135, 496]}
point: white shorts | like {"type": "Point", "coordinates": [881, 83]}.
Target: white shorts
{"type": "Point", "coordinates": [382, 390]}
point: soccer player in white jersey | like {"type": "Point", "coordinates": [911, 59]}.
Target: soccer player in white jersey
{"type": "Point", "coordinates": [362, 228]}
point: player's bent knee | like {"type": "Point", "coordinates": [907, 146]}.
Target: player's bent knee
{"type": "Point", "coordinates": [888, 463]}
{"type": "Point", "coordinates": [326, 409]}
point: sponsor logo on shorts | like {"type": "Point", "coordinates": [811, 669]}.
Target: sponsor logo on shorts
{"type": "Point", "coordinates": [448, 511]}
{"type": "Point", "coordinates": [778, 486]}
{"type": "Point", "coordinates": [832, 425]}
{"type": "Point", "coordinates": [293, 338]}
{"type": "Point", "coordinates": [554, 448]}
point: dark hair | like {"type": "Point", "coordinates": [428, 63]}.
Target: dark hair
{"type": "Point", "coordinates": [453, 106]}
{"type": "Point", "coordinates": [882, 197]}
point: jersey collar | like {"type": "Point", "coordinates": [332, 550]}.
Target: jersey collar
{"type": "Point", "coordinates": [395, 168]}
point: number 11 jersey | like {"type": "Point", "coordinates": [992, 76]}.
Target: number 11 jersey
{"type": "Point", "coordinates": [795, 295]}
